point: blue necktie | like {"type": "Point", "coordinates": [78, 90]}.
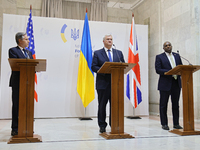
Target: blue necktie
{"type": "Point", "coordinates": [109, 54]}
{"type": "Point", "coordinates": [25, 53]}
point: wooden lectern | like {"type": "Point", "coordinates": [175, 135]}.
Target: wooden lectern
{"type": "Point", "coordinates": [27, 68]}
{"type": "Point", "coordinates": [186, 72]}
{"type": "Point", "coordinates": [117, 71]}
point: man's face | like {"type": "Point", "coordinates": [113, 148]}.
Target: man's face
{"type": "Point", "coordinates": [167, 47]}
{"type": "Point", "coordinates": [25, 42]}
{"type": "Point", "coordinates": [108, 42]}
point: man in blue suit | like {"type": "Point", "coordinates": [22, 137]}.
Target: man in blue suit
{"type": "Point", "coordinates": [168, 85]}
{"type": "Point", "coordinates": [17, 52]}
{"type": "Point", "coordinates": [103, 81]}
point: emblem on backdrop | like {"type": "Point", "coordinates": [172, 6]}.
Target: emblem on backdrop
{"type": "Point", "coordinates": [74, 34]}
{"type": "Point", "coordinates": [63, 33]}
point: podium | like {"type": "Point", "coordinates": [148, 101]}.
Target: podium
{"type": "Point", "coordinates": [117, 71]}
{"type": "Point", "coordinates": [186, 72]}
{"type": "Point", "coordinates": [27, 68]}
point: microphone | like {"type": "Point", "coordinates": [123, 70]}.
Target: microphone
{"type": "Point", "coordinates": [117, 53]}
{"type": "Point", "coordinates": [184, 58]}
{"type": "Point", "coordinates": [114, 46]}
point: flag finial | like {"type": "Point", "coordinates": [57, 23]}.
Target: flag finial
{"type": "Point", "coordinates": [30, 7]}
{"type": "Point", "coordinates": [132, 14]}
{"type": "Point", "coordinates": [86, 10]}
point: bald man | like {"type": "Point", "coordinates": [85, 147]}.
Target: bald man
{"type": "Point", "coordinates": [168, 85]}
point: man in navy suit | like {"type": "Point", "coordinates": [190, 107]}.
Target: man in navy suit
{"type": "Point", "coordinates": [17, 52]}
{"type": "Point", "coordinates": [168, 85]}
{"type": "Point", "coordinates": [103, 81]}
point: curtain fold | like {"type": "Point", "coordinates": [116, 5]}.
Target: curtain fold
{"type": "Point", "coordinates": [52, 8]}
{"type": "Point", "coordinates": [99, 10]}
{"type": "Point", "coordinates": [75, 10]}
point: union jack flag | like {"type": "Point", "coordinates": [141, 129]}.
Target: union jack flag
{"type": "Point", "coordinates": [133, 89]}
{"type": "Point", "coordinates": [29, 32]}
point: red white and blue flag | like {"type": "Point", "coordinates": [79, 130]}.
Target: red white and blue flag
{"type": "Point", "coordinates": [133, 88]}
{"type": "Point", "coordinates": [29, 32]}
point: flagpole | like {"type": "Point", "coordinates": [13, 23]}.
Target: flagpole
{"type": "Point", "coordinates": [85, 118]}
{"type": "Point", "coordinates": [133, 117]}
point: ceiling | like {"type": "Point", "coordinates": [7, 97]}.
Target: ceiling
{"type": "Point", "coordinates": [124, 4]}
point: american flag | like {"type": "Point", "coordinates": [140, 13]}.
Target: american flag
{"type": "Point", "coordinates": [29, 32]}
{"type": "Point", "coordinates": [133, 89]}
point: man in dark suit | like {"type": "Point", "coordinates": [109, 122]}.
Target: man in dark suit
{"type": "Point", "coordinates": [168, 85]}
{"type": "Point", "coordinates": [17, 52]}
{"type": "Point", "coordinates": [103, 81]}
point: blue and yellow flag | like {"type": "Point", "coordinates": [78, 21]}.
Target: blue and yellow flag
{"type": "Point", "coordinates": [85, 83]}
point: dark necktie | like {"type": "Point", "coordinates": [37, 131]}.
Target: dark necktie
{"type": "Point", "coordinates": [109, 54]}
{"type": "Point", "coordinates": [25, 53]}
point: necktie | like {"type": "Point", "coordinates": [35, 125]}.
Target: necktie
{"type": "Point", "coordinates": [25, 53]}
{"type": "Point", "coordinates": [109, 54]}
{"type": "Point", "coordinates": [173, 64]}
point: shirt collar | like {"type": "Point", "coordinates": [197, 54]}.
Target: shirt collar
{"type": "Point", "coordinates": [168, 53]}
{"type": "Point", "coordinates": [107, 49]}
{"type": "Point", "coordinates": [20, 47]}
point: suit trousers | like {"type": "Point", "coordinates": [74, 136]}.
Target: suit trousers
{"type": "Point", "coordinates": [104, 95]}
{"type": "Point", "coordinates": [164, 97]}
{"type": "Point", "coordinates": [15, 108]}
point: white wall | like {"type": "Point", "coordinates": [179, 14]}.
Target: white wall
{"type": "Point", "coordinates": [57, 86]}
{"type": "Point", "coordinates": [176, 21]}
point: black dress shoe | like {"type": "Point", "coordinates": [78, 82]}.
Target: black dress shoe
{"type": "Point", "coordinates": [165, 127]}
{"type": "Point", "coordinates": [102, 129]}
{"type": "Point", "coordinates": [177, 127]}
{"type": "Point", "coordinates": [13, 133]}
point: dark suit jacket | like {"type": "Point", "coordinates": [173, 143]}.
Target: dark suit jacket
{"type": "Point", "coordinates": [163, 65]}
{"type": "Point", "coordinates": [15, 52]}
{"type": "Point", "coordinates": [99, 57]}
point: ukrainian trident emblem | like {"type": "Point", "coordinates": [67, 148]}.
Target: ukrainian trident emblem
{"type": "Point", "coordinates": [74, 34]}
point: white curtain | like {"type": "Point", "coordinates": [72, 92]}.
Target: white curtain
{"type": "Point", "coordinates": [52, 8]}
{"type": "Point", "coordinates": [76, 10]}
{"type": "Point", "coordinates": [98, 10]}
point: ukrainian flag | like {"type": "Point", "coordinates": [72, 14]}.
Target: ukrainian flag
{"type": "Point", "coordinates": [85, 82]}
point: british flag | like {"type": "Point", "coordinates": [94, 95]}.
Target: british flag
{"type": "Point", "coordinates": [133, 88]}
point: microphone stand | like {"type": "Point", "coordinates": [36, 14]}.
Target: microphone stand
{"type": "Point", "coordinates": [117, 53]}
{"type": "Point", "coordinates": [184, 58]}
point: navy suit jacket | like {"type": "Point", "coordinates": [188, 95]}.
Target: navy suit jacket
{"type": "Point", "coordinates": [162, 65]}
{"type": "Point", "coordinates": [99, 58]}
{"type": "Point", "coordinates": [15, 52]}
